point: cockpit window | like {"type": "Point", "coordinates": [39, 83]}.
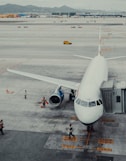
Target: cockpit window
{"type": "Point", "coordinates": [84, 103]}
{"type": "Point", "coordinates": [92, 104]}
{"type": "Point", "coordinates": [100, 101]}
{"type": "Point", "coordinates": [88, 104]}
{"type": "Point", "coordinates": [78, 101]}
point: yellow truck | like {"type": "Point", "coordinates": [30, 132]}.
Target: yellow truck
{"type": "Point", "coordinates": [67, 42]}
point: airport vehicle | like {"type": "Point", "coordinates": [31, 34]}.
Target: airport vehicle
{"type": "Point", "coordinates": [88, 101]}
{"type": "Point", "coordinates": [67, 43]}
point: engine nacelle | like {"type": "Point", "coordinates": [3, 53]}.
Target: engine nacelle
{"type": "Point", "coordinates": [57, 97]}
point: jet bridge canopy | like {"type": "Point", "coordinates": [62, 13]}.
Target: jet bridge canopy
{"type": "Point", "coordinates": [107, 94]}
{"type": "Point", "coordinates": [114, 96]}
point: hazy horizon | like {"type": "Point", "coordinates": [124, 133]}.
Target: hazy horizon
{"type": "Point", "coordinates": [113, 5]}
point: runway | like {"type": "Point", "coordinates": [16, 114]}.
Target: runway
{"type": "Point", "coordinates": [34, 133]}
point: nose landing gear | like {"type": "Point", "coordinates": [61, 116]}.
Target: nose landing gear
{"type": "Point", "coordinates": [90, 128]}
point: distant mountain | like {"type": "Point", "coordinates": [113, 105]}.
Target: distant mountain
{"type": "Point", "coordinates": [13, 8]}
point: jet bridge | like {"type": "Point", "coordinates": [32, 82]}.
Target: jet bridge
{"type": "Point", "coordinates": [114, 96]}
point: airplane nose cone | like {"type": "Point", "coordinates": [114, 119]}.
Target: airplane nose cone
{"type": "Point", "coordinates": [88, 115]}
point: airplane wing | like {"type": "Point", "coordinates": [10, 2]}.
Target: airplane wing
{"type": "Point", "coordinates": [59, 82]}
{"type": "Point", "coordinates": [84, 57]}
{"type": "Point", "coordinates": [118, 57]}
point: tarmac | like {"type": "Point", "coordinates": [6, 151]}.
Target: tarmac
{"type": "Point", "coordinates": [35, 133]}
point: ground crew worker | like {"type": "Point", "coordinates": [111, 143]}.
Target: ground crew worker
{"type": "Point", "coordinates": [1, 127]}
{"type": "Point", "coordinates": [70, 131]}
{"type": "Point", "coordinates": [25, 95]}
{"type": "Point", "coordinates": [44, 102]}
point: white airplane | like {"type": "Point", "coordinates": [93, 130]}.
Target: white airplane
{"type": "Point", "coordinates": [88, 101]}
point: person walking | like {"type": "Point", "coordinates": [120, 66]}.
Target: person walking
{"type": "Point", "coordinates": [1, 127]}
{"type": "Point", "coordinates": [71, 131]}
{"type": "Point", "coordinates": [44, 102]}
{"type": "Point", "coordinates": [25, 95]}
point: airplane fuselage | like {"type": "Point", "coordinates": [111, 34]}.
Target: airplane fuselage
{"type": "Point", "coordinates": [88, 103]}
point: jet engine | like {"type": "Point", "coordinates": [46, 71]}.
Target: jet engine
{"type": "Point", "coordinates": [57, 97]}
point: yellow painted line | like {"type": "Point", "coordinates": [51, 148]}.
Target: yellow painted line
{"type": "Point", "coordinates": [71, 146]}
{"type": "Point", "coordinates": [105, 141]}
{"type": "Point", "coordinates": [104, 149]}
{"type": "Point", "coordinates": [68, 146]}
{"type": "Point", "coordinates": [66, 138]}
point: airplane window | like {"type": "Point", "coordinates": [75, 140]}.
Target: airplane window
{"type": "Point", "coordinates": [92, 104]}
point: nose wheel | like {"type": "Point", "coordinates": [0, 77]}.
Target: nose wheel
{"type": "Point", "coordinates": [90, 128]}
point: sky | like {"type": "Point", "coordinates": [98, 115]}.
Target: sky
{"type": "Point", "coordinates": [109, 5]}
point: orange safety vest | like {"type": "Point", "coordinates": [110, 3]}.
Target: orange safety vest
{"type": "Point", "coordinates": [44, 101]}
